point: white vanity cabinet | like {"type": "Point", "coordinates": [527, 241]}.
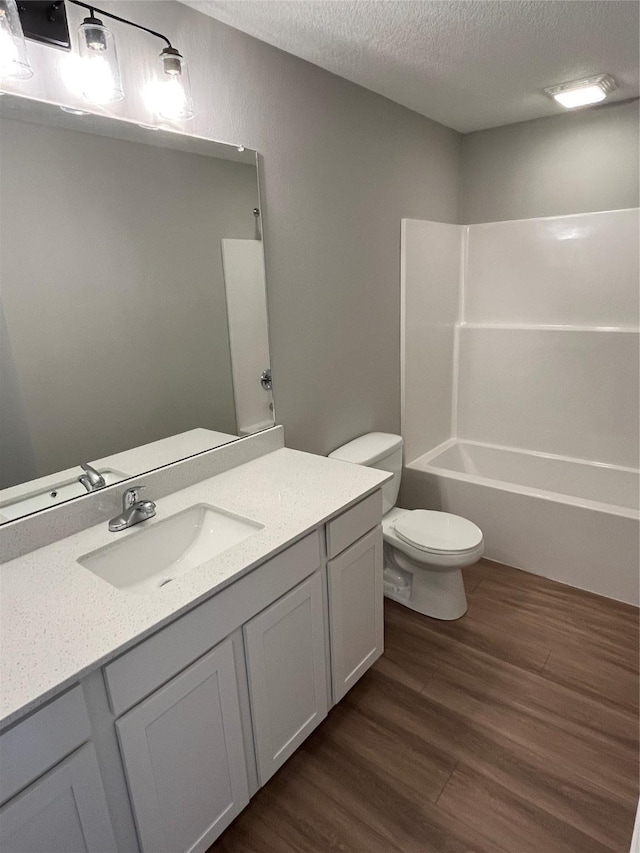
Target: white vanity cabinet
{"type": "Point", "coordinates": [285, 651]}
{"type": "Point", "coordinates": [355, 582]}
{"type": "Point", "coordinates": [184, 757]}
{"type": "Point", "coordinates": [180, 729]}
{"type": "Point", "coordinates": [184, 719]}
{"type": "Point", "coordinates": [63, 812]}
{"type": "Point", "coordinates": [50, 778]}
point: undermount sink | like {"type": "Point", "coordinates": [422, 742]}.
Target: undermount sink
{"type": "Point", "coordinates": [150, 558]}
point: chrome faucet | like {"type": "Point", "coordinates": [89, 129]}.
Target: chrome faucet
{"type": "Point", "coordinates": [91, 479]}
{"type": "Point", "coordinates": [133, 510]}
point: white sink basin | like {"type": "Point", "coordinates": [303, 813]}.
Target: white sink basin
{"type": "Point", "coordinates": [151, 557]}
{"type": "Point", "coordinates": [53, 494]}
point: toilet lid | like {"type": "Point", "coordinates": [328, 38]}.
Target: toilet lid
{"type": "Point", "coordinates": [437, 531]}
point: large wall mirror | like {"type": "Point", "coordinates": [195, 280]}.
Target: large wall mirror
{"type": "Point", "coordinates": [133, 321]}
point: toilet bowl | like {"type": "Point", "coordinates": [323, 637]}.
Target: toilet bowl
{"type": "Point", "coordinates": [424, 550]}
{"type": "Point", "coordinates": [424, 554]}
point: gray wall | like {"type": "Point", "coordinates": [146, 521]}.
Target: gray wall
{"type": "Point", "coordinates": [112, 285]}
{"type": "Point", "coordinates": [572, 163]}
{"type": "Point", "coordinates": [341, 167]}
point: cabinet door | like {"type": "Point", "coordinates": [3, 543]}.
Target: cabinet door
{"type": "Point", "coordinates": [184, 757]}
{"type": "Point", "coordinates": [356, 616]}
{"type": "Point", "coordinates": [63, 812]}
{"type": "Point", "coordinates": [287, 673]}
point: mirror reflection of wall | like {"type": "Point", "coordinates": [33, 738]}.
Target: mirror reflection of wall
{"type": "Point", "coordinates": [113, 295]}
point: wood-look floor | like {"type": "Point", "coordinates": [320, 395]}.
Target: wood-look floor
{"type": "Point", "coordinates": [512, 730]}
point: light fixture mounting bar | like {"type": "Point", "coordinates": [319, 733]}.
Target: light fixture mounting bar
{"type": "Point", "coordinates": [45, 21]}
{"type": "Point", "coordinates": [113, 17]}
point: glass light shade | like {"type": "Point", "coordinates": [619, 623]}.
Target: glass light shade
{"type": "Point", "coordinates": [172, 93]}
{"type": "Point", "coordinates": [581, 93]}
{"type": "Point", "coordinates": [101, 83]}
{"type": "Point", "coordinates": [580, 97]}
{"type": "Point", "coordinates": [14, 62]}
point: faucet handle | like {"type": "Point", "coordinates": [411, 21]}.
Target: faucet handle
{"type": "Point", "coordinates": [131, 496]}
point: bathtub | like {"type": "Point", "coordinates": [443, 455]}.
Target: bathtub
{"type": "Point", "coordinates": [573, 521]}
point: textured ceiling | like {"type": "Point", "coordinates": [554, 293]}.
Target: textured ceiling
{"type": "Point", "coordinates": [469, 64]}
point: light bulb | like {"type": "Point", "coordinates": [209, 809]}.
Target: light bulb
{"type": "Point", "coordinates": [172, 91]}
{"type": "Point", "coordinates": [14, 62]}
{"type": "Point", "coordinates": [99, 85]}
{"type": "Point", "coordinates": [99, 69]}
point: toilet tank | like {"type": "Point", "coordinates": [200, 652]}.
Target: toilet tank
{"type": "Point", "coordinates": [376, 450]}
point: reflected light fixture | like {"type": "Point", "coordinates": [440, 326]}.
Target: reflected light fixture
{"type": "Point", "coordinates": [14, 62]}
{"type": "Point", "coordinates": [73, 111]}
{"type": "Point", "coordinates": [581, 93]}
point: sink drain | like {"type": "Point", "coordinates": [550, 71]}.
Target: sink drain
{"type": "Point", "coordinates": [165, 581]}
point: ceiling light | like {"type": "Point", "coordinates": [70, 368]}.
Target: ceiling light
{"type": "Point", "coordinates": [580, 93]}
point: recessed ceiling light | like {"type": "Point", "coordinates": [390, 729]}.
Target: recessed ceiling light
{"type": "Point", "coordinates": [580, 93]}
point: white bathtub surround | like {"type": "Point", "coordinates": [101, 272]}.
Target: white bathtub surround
{"type": "Point", "coordinates": [572, 393]}
{"type": "Point", "coordinates": [544, 435]}
{"type": "Point", "coordinates": [245, 289]}
{"type": "Point", "coordinates": [429, 282]}
{"type": "Point", "coordinates": [579, 270]}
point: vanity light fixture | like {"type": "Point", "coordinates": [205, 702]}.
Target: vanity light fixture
{"type": "Point", "coordinates": [101, 83]}
{"type": "Point", "coordinates": [45, 21]}
{"type": "Point", "coordinates": [174, 89]}
{"type": "Point", "coordinates": [580, 93]}
{"type": "Point", "coordinates": [14, 62]}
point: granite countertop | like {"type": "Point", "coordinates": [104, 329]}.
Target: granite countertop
{"type": "Point", "coordinates": [58, 621]}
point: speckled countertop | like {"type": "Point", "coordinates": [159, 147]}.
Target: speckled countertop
{"type": "Point", "coordinates": [59, 621]}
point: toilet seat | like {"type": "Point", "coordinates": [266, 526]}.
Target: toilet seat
{"type": "Point", "coordinates": [437, 532]}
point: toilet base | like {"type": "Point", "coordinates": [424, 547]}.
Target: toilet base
{"type": "Point", "coordinates": [438, 593]}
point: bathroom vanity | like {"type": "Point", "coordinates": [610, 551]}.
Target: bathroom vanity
{"type": "Point", "coordinates": [154, 678]}
{"type": "Point", "coordinates": [146, 718]}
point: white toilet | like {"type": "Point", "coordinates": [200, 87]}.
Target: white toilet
{"type": "Point", "coordinates": [424, 551]}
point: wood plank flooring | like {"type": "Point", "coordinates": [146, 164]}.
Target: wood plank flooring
{"type": "Point", "coordinates": [511, 730]}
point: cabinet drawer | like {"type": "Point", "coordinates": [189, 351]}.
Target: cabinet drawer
{"type": "Point", "coordinates": [137, 673]}
{"type": "Point", "coordinates": [34, 745]}
{"type": "Point", "coordinates": [354, 523]}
